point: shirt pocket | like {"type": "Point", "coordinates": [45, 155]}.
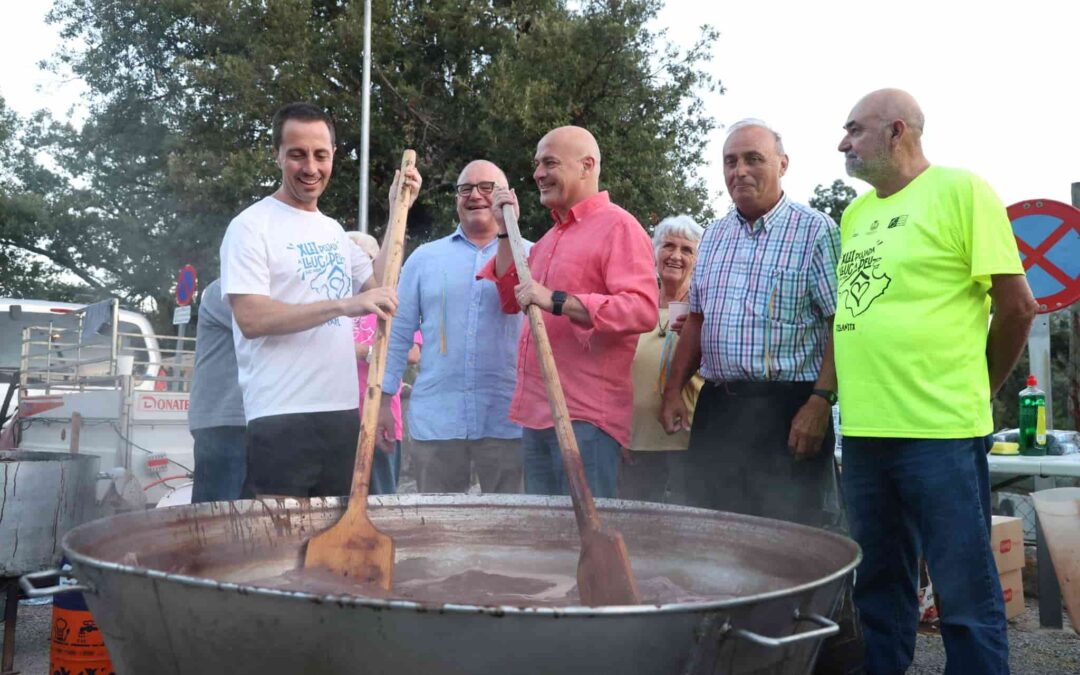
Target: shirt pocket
{"type": "Point", "coordinates": [774, 293]}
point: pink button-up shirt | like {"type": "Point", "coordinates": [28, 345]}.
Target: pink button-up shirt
{"type": "Point", "coordinates": [602, 256]}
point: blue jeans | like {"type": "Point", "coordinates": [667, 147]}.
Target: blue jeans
{"type": "Point", "coordinates": [908, 498]}
{"type": "Point", "coordinates": [543, 461]}
{"type": "Point", "coordinates": [385, 470]}
{"type": "Point", "coordinates": [220, 463]}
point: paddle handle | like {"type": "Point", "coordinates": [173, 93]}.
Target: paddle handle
{"type": "Point", "coordinates": [369, 418]}
{"type": "Point", "coordinates": [580, 494]}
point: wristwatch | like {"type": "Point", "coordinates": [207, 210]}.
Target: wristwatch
{"type": "Point", "coordinates": [557, 300]}
{"type": "Point", "coordinates": [829, 396]}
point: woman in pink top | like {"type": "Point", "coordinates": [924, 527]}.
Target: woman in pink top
{"type": "Point", "coordinates": [385, 467]}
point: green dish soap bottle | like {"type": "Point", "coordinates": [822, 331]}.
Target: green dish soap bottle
{"type": "Point", "coordinates": [1032, 419]}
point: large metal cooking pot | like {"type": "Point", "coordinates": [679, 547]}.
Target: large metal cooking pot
{"type": "Point", "coordinates": [45, 494]}
{"type": "Point", "coordinates": [167, 587]}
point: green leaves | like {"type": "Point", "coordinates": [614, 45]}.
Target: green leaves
{"type": "Point", "coordinates": [182, 92]}
{"type": "Point", "coordinates": [834, 199]}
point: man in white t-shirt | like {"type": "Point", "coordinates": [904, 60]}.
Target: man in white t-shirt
{"type": "Point", "coordinates": [294, 279]}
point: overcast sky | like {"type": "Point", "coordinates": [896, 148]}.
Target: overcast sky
{"type": "Point", "coordinates": [998, 86]}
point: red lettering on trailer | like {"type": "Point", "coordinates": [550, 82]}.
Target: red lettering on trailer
{"type": "Point", "coordinates": [157, 404]}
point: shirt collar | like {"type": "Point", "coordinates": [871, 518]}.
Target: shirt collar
{"type": "Point", "coordinates": [764, 222]}
{"type": "Point", "coordinates": [582, 209]}
{"type": "Point", "coordinates": [459, 233]}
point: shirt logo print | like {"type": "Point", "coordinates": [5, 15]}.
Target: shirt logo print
{"type": "Point", "coordinates": [897, 221]}
{"type": "Point", "coordinates": [860, 280]}
{"type": "Point", "coordinates": [323, 267]}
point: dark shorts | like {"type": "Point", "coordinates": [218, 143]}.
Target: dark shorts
{"type": "Point", "coordinates": [302, 454]}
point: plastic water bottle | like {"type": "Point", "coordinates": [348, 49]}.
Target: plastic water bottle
{"type": "Point", "coordinates": [1032, 419]}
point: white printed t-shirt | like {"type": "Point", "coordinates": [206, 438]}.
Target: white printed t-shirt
{"type": "Point", "coordinates": [296, 257]}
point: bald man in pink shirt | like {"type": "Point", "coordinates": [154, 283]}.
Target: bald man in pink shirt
{"type": "Point", "coordinates": [593, 274]}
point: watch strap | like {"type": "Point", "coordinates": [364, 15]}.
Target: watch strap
{"type": "Point", "coordinates": [829, 396]}
{"type": "Point", "coordinates": [557, 300]}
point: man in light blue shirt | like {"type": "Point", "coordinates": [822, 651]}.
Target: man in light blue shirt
{"type": "Point", "coordinates": [459, 406]}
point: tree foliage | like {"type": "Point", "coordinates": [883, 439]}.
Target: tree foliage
{"type": "Point", "coordinates": [182, 91]}
{"type": "Point", "coordinates": [833, 200]}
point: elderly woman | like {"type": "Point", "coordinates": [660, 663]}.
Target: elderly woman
{"type": "Point", "coordinates": [652, 465]}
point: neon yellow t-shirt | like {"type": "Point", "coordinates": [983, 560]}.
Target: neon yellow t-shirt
{"type": "Point", "coordinates": [913, 307]}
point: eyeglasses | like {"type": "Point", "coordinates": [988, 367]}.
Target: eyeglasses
{"type": "Point", "coordinates": [485, 187]}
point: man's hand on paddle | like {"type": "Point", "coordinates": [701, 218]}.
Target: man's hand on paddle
{"type": "Point", "coordinates": [501, 197]}
{"type": "Point", "coordinates": [380, 301]}
{"type": "Point", "coordinates": [412, 179]}
{"type": "Point", "coordinates": [809, 426]}
{"type": "Point", "coordinates": [532, 293]}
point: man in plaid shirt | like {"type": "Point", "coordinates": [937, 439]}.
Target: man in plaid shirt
{"type": "Point", "coordinates": [762, 301]}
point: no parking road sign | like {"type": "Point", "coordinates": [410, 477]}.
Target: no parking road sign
{"type": "Point", "coordinates": [1048, 236]}
{"type": "Point", "coordinates": [186, 284]}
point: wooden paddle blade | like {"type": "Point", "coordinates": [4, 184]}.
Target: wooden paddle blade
{"type": "Point", "coordinates": [354, 548]}
{"type": "Point", "coordinates": [604, 576]}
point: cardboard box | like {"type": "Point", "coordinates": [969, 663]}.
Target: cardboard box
{"type": "Point", "coordinates": [1007, 542]}
{"type": "Point", "coordinates": [1012, 587]}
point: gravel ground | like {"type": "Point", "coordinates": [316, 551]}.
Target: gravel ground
{"type": "Point", "coordinates": [1033, 650]}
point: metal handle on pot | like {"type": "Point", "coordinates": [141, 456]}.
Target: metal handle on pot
{"type": "Point", "coordinates": [26, 582]}
{"type": "Point", "coordinates": [828, 628]}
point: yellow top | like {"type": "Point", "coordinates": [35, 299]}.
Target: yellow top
{"type": "Point", "coordinates": [913, 306]}
{"type": "Point", "coordinates": [649, 370]}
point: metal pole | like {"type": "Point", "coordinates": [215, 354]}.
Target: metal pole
{"type": "Point", "coordinates": [175, 384]}
{"type": "Point", "coordinates": [1072, 369]}
{"type": "Point", "coordinates": [365, 120]}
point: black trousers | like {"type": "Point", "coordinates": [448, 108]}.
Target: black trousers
{"type": "Point", "coordinates": [301, 454]}
{"type": "Point", "coordinates": [739, 460]}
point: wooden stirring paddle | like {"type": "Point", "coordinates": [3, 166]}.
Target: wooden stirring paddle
{"type": "Point", "coordinates": [353, 547]}
{"type": "Point", "coordinates": [604, 576]}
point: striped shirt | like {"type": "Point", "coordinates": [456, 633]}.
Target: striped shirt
{"type": "Point", "coordinates": [767, 290]}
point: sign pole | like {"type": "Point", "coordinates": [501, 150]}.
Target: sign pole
{"type": "Point", "coordinates": [186, 286]}
{"type": "Point", "coordinates": [1072, 365]}
{"type": "Point", "coordinates": [1039, 358]}
{"type": "Point", "coordinates": [176, 385]}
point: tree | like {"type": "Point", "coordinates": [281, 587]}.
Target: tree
{"type": "Point", "coordinates": [833, 200]}
{"type": "Point", "coordinates": [182, 93]}
{"type": "Point", "coordinates": [25, 267]}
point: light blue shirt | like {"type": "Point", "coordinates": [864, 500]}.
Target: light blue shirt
{"type": "Point", "coordinates": [465, 392]}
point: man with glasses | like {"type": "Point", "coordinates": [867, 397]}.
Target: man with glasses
{"type": "Point", "coordinates": [594, 276]}
{"type": "Point", "coordinates": [458, 410]}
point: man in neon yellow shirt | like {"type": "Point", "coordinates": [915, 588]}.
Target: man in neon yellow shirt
{"type": "Point", "coordinates": [922, 256]}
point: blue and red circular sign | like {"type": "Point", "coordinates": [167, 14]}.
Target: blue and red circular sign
{"type": "Point", "coordinates": [1048, 236]}
{"type": "Point", "coordinates": [186, 285]}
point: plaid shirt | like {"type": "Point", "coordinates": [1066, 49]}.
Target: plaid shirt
{"type": "Point", "coordinates": [767, 290]}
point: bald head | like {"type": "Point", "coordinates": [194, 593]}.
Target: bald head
{"type": "Point", "coordinates": [567, 168]}
{"type": "Point", "coordinates": [883, 143]}
{"type": "Point", "coordinates": [575, 140]}
{"type": "Point", "coordinates": [888, 105]}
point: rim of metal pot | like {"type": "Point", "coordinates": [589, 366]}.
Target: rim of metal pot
{"type": "Point", "coordinates": [31, 455]}
{"type": "Point", "coordinates": [535, 502]}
